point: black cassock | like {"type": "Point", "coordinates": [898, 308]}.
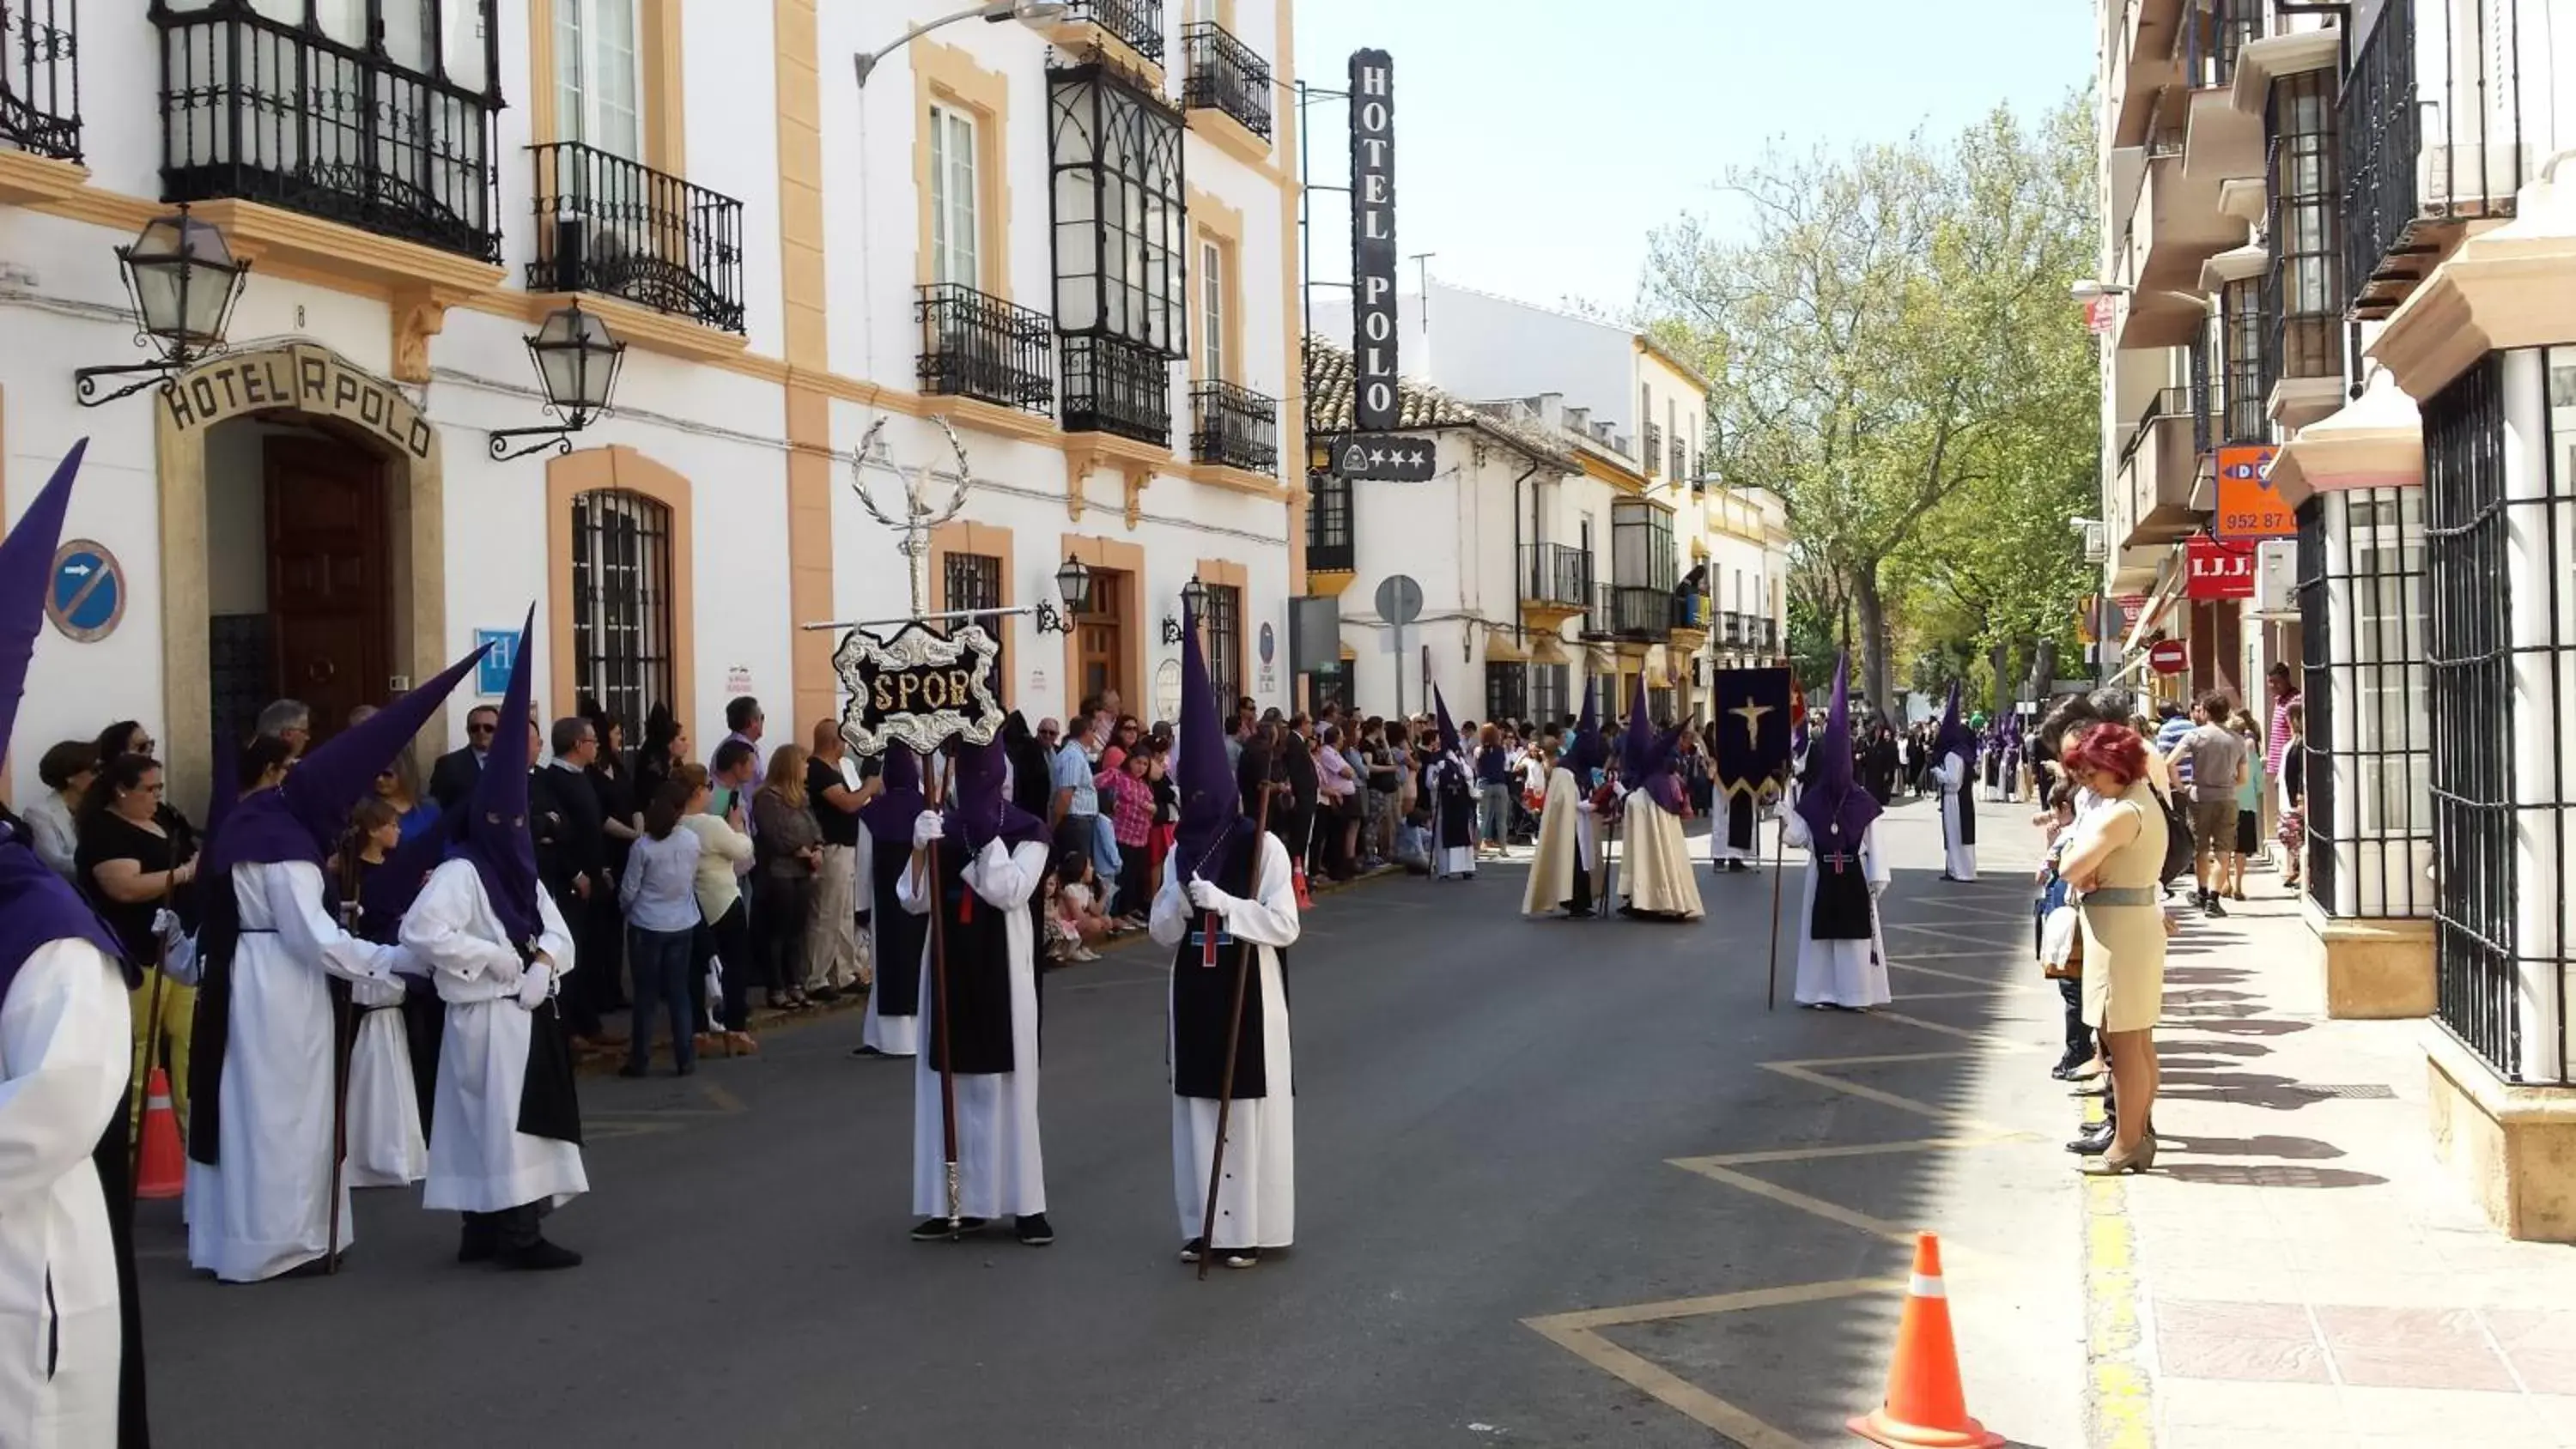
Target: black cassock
{"type": "Point", "coordinates": [1842, 908]}
{"type": "Point", "coordinates": [977, 946]}
{"type": "Point", "coordinates": [1202, 995]}
{"type": "Point", "coordinates": [1741, 815]}
{"type": "Point", "coordinates": [1967, 812]}
{"type": "Point", "coordinates": [899, 934]}
{"type": "Point", "coordinates": [1457, 804]}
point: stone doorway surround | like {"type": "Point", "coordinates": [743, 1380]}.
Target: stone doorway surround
{"type": "Point", "coordinates": [290, 380]}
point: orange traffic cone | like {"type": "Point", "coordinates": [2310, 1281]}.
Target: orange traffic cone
{"type": "Point", "coordinates": [1926, 1408]}
{"type": "Point", "coordinates": [162, 1172]}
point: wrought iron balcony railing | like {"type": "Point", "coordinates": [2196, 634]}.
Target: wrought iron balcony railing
{"type": "Point", "coordinates": [264, 110]}
{"type": "Point", "coordinates": [1653, 455]}
{"type": "Point", "coordinates": [978, 346]}
{"type": "Point", "coordinates": [1115, 386]}
{"type": "Point", "coordinates": [1630, 611]}
{"type": "Point", "coordinates": [2422, 150]}
{"type": "Point", "coordinates": [40, 78]}
{"type": "Point", "coordinates": [2169, 402]}
{"type": "Point", "coordinates": [1555, 573]}
{"type": "Point", "coordinates": [609, 225]}
{"type": "Point", "coordinates": [2206, 43]}
{"type": "Point", "coordinates": [1734, 630]}
{"type": "Point", "coordinates": [1225, 75]}
{"type": "Point", "coordinates": [1234, 427]}
{"type": "Point", "coordinates": [1138, 24]}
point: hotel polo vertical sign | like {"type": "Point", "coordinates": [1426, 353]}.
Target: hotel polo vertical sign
{"type": "Point", "coordinates": [1373, 399]}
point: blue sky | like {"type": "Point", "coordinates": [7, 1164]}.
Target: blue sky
{"type": "Point", "coordinates": [1532, 151]}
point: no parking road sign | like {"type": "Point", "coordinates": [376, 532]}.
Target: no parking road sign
{"type": "Point", "coordinates": [86, 599]}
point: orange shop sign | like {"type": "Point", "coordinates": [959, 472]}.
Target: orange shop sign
{"type": "Point", "coordinates": [2248, 505]}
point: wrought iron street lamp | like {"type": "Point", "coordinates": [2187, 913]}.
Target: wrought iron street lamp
{"type": "Point", "coordinates": [1073, 581]}
{"type": "Point", "coordinates": [181, 279]}
{"type": "Point", "coordinates": [577, 360]}
{"type": "Point", "coordinates": [1193, 603]}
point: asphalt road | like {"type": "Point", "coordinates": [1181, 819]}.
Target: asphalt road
{"type": "Point", "coordinates": [1487, 1110]}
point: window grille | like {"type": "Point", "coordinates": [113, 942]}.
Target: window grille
{"type": "Point", "coordinates": [1224, 608]}
{"type": "Point", "coordinates": [1506, 691]}
{"type": "Point", "coordinates": [2369, 774]}
{"type": "Point", "coordinates": [974, 581]}
{"type": "Point", "coordinates": [621, 587]}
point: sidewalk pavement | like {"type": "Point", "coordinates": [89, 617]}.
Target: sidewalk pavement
{"type": "Point", "coordinates": [2298, 1269]}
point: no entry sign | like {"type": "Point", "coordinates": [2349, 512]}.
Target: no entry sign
{"type": "Point", "coordinates": [2168, 656]}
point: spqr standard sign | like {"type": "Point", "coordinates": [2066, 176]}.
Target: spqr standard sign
{"type": "Point", "coordinates": [918, 688]}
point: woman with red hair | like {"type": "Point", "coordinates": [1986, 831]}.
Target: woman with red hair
{"type": "Point", "coordinates": [2118, 853]}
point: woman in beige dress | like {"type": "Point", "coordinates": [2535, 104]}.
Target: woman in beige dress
{"type": "Point", "coordinates": [2118, 852]}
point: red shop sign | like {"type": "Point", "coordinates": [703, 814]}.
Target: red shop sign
{"type": "Point", "coordinates": [2217, 570]}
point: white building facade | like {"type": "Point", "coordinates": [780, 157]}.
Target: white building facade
{"type": "Point", "coordinates": [1070, 247]}
{"type": "Point", "coordinates": [1611, 558]}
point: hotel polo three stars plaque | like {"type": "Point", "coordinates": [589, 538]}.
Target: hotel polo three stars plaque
{"type": "Point", "coordinates": [1384, 458]}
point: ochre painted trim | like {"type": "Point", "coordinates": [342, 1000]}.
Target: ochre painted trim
{"type": "Point", "coordinates": [1137, 465]}
{"type": "Point", "coordinates": [1128, 561]}
{"type": "Point", "coordinates": [810, 459]}
{"type": "Point", "coordinates": [1001, 422]}
{"type": "Point", "coordinates": [1214, 222]}
{"type": "Point", "coordinates": [1230, 136]}
{"type": "Point", "coordinates": [646, 327]}
{"type": "Point", "coordinates": [619, 469]}
{"type": "Point", "coordinates": [1238, 480]}
{"type": "Point", "coordinates": [1292, 367]}
{"type": "Point", "coordinates": [947, 76]}
{"type": "Point", "coordinates": [658, 70]}
{"type": "Point", "coordinates": [1074, 37]}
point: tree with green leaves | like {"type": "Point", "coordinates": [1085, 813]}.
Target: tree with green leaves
{"type": "Point", "coordinates": [1895, 354]}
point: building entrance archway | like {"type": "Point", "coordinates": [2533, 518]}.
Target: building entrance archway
{"type": "Point", "coordinates": [302, 545]}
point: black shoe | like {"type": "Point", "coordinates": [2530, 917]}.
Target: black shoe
{"type": "Point", "coordinates": [1034, 1230]}
{"type": "Point", "coordinates": [932, 1230]}
{"type": "Point", "coordinates": [480, 1244]}
{"type": "Point", "coordinates": [1193, 1250]}
{"type": "Point", "coordinates": [540, 1257]}
{"type": "Point", "coordinates": [864, 1050]}
{"type": "Point", "coordinates": [2065, 1071]}
{"type": "Point", "coordinates": [2093, 1141]}
{"type": "Point", "coordinates": [825, 993]}
{"type": "Point", "coordinates": [2212, 905]}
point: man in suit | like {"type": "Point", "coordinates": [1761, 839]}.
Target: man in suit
{"type": "Point", "coordinates": [572, 863]}
{"type": "Point", "coordinates": [453, 777]}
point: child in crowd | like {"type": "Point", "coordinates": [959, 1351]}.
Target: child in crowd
{"type": "Point", "coordinates": [1075, 916]}
{"type": "Point", "coordinates": [2059, 941]}
{"type": "Point", "coordinates": [2249, 809]}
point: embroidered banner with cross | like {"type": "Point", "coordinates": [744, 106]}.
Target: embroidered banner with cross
{"type": "Point", "coordinates": [1753, 714]}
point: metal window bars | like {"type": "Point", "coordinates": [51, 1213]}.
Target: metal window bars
{"type": "Point", "coordinates": [1653, 455]}
{"type": "Point", "coordinates": [1549, 690]}
{"type": "Point", "coordinates": [618, 227]}
{"type": "Point", "coordinates": [1136, 24]}
{"type": "Point", "coordinates": [2209, 37]}
{"type": "Point", "coordinates": [1114, 386]}
{"type": "Point", "coordinates": [265, 110]}
{"type": "Point", "coordinates": [1117, 197]}
{"type": "Point", "coordinates": [1225, 75]}
{"type": "Point", "coordinates": [1629, 611]}
{"type": "Point", "coordinates": [971, 583]}
{"type": "Point", "coordinates": [979, 346]}
{"type": "Point", "coordinates": [2369, 812]}
{"type": "Point", "coordinates": [1234, 427]}
{"type": "Point", "coordinates": [40, 77]}
{"type": "Point", "coordinates": [621, 587]}
{"type": "Point", "coordinates": [2500, 508]}
{"type": "Point", "coordinates": [1555, 573]}
{"type": "Point", "coordinates": [2431, 133]}
{"type": "Point", "coordinates": [1506, 690]}
{"type": "Point", "coordinates": [2303, 299]}
{"type": "Point", "coordinates": [1223, 620]}
{"type": "Point", "coordinates": [2243, 417]}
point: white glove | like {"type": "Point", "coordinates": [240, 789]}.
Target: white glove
{"type": "Point", "coordinates": [178, 949]}
{"type": "Point", "coordinates": [1205, 896]}
{"type": "Point", "coordinates": [534, 984]}
{"type": "Point", "coordinates": [927, 827]}
{"type": "Point", "coordinates": [167, 930]}
{"type": "Point", "coordinates": [375, 991]}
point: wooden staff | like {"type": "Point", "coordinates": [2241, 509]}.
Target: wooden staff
{"type": "Point", "coordinates": [1779, 863]}
{"type": "Point", "coordinates": [928, 858]}
{"type": "Point", "coordinates": [1233, 1040]}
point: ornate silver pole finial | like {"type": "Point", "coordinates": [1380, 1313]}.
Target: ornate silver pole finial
{"type": "Point", "coordinates": [919, 517]}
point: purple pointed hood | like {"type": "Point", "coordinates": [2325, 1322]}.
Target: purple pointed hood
{"type": "Point", "coordinates": [224, 791]}
{"type": "Point", "coordinates": [1835, 811]}
{"type": "Point", "coordinates": [1211, 801]}
{"type": "Point", "coordinates": [1586, 751]}
{"type": "Point", "coordinates": [494, 834]}
{"type": "Point", "coordinates": [900, 800]}
{"type": "Point", "coordinates": [1448, 731]}
{"type": "Point", "coordinates": [1954, 736]}
{"type": "Point", "coordinates": [306, 817]}
{"type": "Point", "coordinates": [36, 905]}
{"type": "Point", "coordinates": [1646, 756]}
{"type": "Point", "coordinates": [981, 811]}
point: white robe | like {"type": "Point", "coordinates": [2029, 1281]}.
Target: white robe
{"type": "Point", "coordinates": [1953, 775]}
{"type": "Point", "coordinates": [386, 1148]}
{"type": "Point", "coordinates": [1000, 1170]}
{"type": "Point", "coordinates": [1564, 847]}
{"type": "Point", "coordinates": [479, 1160]}
{"type": "Point", "coordinates": [1654, 861]}
{"type": "Point", "coordinates": [66, 1035]}
{"type": "Point", "coordinates": [1256, 1207]}
{"type": "Point", "coordinates": [1843, 973]}
{"type": "Point", "coordinates": [266, 1208]}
